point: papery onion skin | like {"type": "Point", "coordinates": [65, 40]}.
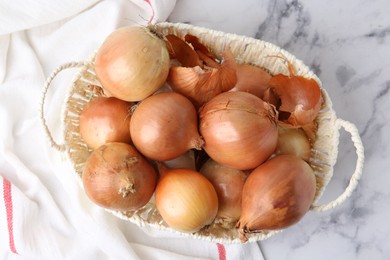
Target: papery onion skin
{"type": "Point", "coordinates": [228, 183]}
{"type": "Point", "coordinates": [239, 129]}
{"type": "Point", "coordinates": [185, 199]}
{"type": "Point", "coordinates": [164, 126]}
{"type": "Point", "coordinates": [198, 46]}
{"type": "Point", "coordinates": [201, 84]}
{"type": "Point", "coordinates": [300, 98]}
{"type": "Point", "coordinates": [132, 63]}
{"type": "Point", "coordinates": [178, 49]}
{"type": "Point", "coordinates": [252, 79]}
{"type": "Point", "coordinates": [276, 195]}
{"type": "Point", "coordinates": [117, 177]}
{"type": "Point", "coordinates": [105, 119]}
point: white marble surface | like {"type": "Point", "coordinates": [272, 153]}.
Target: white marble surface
{"type": "Point", "coordinates": [347, 43]}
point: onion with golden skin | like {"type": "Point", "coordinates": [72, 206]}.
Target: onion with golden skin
{"type": "Point", "coordinates": [105, 119]}
{"type": "Point", "coordinates": [239, 129]}
{"type": "Point", "coordinates": [293, 141]}
{"type": "Point", "coordinates": [132, 63]}
{"type": "Point", "coordinates": [228, 183]}
{"type": "Point", "coordinates": [185, 199]}
{"type": "Point", "coordinates": [276, 195]}
{"type": "Point", "coordinates": [165, 126]}
{"type": "Point", "coordinates": [116, 176]}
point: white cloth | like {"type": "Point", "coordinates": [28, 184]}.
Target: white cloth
{"type": "Point", "coordinates": [44, 214]}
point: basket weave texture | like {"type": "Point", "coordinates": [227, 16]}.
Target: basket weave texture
{"type": "Point", "coordinates": [245, 50]}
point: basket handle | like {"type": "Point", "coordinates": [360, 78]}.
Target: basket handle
{"type": "Point", "coordinates": [355, 137]}
{"type": "Point", "coordinates": [59, 147]}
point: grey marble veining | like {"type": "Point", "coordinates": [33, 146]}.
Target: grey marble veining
{"type": "Point", "coordinates": [286, 24]}
{"type": "Point", "coordinates": [347, 44]}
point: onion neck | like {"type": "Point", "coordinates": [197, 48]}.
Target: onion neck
{"type": "Point", "coordinates": [197, 142]}
{"type": "Point", "coordinates": [273, 113]}
{"type": "Point", "coordinates": [126, 188]}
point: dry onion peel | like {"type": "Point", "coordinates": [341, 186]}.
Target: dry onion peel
{"type": "Point", "coordinates": [300, 98]}
{"type": "Point", "coordinates": [202, 84]}
{"type": "Point", "coordinates": [198, 46]}
{"type": "Point", "coordinates": [208, 61]}
{"type": "Point", "coordinates": [252, 79]}
{"type": "Point", "coordinates": [180, 50]}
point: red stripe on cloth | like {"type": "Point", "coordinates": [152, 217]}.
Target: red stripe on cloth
{"type": "Point", "coordinates": [151, 6]}
{"type": "Point", "coordinates": [221, 251]}
{"type": "Point", "coordinates": [7, 194]}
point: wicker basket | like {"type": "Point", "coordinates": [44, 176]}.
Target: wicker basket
{"type": "Point", "coordinates": [246, 50]}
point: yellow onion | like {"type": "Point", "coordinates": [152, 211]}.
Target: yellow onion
{"type": "Point", "coordinates": [276, 194]}
{"type": "Point", "coordinates": [293, 141]}
{"type": "Point", "coordinates": [185, 199]}
{"type": "Point", "coordinates": [239, 129]}
{"type": "Point", "coordinates": [132, 63]}
{"type": "Point", "coordinates": [186, 160]}
{"type": "Point", "coordinates": [116, 176]}
{"type": "Point", "coordinates": [165, 126]}
{"type": "Point", "coordinates": [105, 119]}
{"type": "Point", "coordinates": [228, 184]}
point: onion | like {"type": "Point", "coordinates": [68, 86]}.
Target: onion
{"type": "Point", "coordinates": [164, 126]}
{"type": "Point", "coordinates": [185, 199]}
{"type": "Point", "coordinates": [186, 160]}
{"type": "Point", "coordinates": [239, 129]}
{"type": "Point", "coordinates": [252, 79]}
{"type": "Point", "coordinates": [293, 141]}
{"type": "Point", "coordinates": [277, 194]}
{"type": "Point", "coordinates": [132, 63]}
{"type": "Point", "coordinates": [105, 119]}
{"type": "Point", "coordinates": [117, 177]}
{"type": "Point", "coordinates": [228, 183]}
